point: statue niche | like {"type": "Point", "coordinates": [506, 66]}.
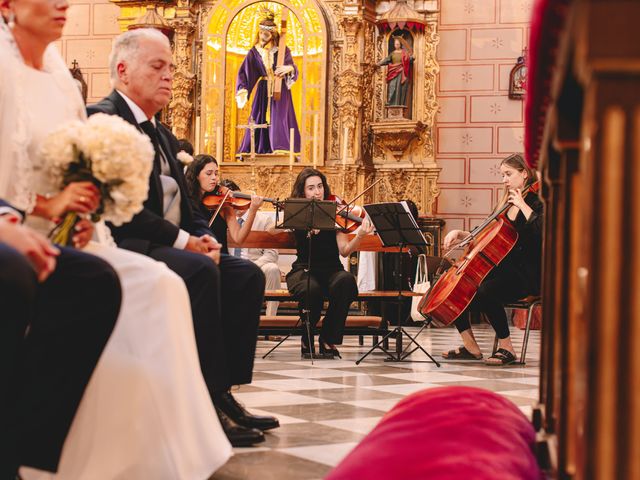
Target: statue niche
{"type": "Point", "coordinates": [399, 78]}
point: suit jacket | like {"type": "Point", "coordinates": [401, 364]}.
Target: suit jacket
{"type": "Point", "coordinates": [149, 227]}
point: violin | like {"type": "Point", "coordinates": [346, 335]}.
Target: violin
{"type": "Point", "coordinates": [223, 196]}
{"type": "Point", "coordinates": [348, 218]}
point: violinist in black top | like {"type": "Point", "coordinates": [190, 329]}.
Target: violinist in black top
{"type": "Point", "coordinates": [202, 178]}
{"type": "Point", "coordinates": [517, 276]}
{"type": "Point", "coordinates": [328, 278]}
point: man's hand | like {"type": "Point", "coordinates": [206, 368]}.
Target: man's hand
{"type": "Point", "coordinates": [38, 250]}
{"type": "Point", "coordinates": [206, 245]}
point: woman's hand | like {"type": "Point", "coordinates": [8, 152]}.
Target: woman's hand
{"type": "Point", "coordinates": [366, 228]}
{"type": "Point", "coordinates": [515, 198]}
{"type": "Point", "coordinates": [83, 231]}
{"type": "Point", "coordinates": [452, 238]}
{"type": "Point", "coordinates": [283, 70]}
{"type": "Point", "coordinates": [256, 202]}
{"type": "Point", "coordinates": [79, 197]}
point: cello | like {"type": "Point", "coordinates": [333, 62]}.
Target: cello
{"type": "Point", "coordinates": [487, 245]}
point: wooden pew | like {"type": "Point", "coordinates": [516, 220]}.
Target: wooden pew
{"type": "Point", "coordinates": [284, 242]}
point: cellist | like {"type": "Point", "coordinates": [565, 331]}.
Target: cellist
{"type": "Point", "coordinates": [517, 276]}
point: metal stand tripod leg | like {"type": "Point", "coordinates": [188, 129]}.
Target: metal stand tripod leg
{"type": "Point", "coordinates": [400, 354]}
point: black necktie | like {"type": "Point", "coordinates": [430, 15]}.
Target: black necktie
{"type": "Point", "coordinates": [150, 129]}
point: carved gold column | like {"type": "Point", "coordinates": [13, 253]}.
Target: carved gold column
{"type": "Point", "coordinates": [184, 79]}
{"type": "Point", "coordinates": [349, 85]}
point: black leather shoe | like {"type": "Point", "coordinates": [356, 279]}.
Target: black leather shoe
{"type": "Point", "coordinates": [328, 350]}
{"type": "Point", "coordinates": [238, 435]}
{"type": "Point", "coordinates": [236, 412]}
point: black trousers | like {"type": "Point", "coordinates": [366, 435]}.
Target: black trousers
{"type": "Point", "coordinates": [502, 285]}
{"type": "Point", "coordinates": [225, 303]}
{"type": "Point", "coordinates": [51, 337]}
{"type": "Point", "coordinates": [337, 286]}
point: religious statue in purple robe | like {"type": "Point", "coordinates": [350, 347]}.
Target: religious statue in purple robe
{"type": "Point", "coordinates": [259, 71]}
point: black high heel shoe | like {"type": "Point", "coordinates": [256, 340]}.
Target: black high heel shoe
{"type": "Point", "coordinates": [328, 351]}
{"type": "Point", "coordinates": [305, 350]}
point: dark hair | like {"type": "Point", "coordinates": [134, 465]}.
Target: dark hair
{"type": "Point", "coordinates": [185, 145]}
{"type": "Point", "coordinates": [298, 186]}
{"type": "Point", "coordinates": [230, 184]}
{"type": "Point", "coordinates": [193, 170]}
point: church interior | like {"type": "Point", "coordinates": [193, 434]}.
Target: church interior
{"type": "Point", "coordinates": [421, 101]}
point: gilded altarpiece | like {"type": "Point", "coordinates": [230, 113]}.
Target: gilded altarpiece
{"type": "Point", "coordinates": [339, 97]}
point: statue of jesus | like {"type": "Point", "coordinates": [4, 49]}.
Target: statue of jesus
{"type": "Point", "coordinates": [259, 70]}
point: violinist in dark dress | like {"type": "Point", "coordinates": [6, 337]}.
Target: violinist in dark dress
{"type": "Point", "coordinates": [519, 273]}
{"type": "Point", "coordinates": [328, 280]}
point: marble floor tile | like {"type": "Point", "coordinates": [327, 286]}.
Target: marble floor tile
{"type": "Point", "coordinates": [497, 373]}
{"type": "Point", "coordinates": [359, 425]}
{"type": "Point", "coordinates": [404, 389]}
{"type": "Point", "coordinates": [382, 405]}
{"type": "Point", "coordinates": [326, 454]}
{"type": "Point", "coordinates": [271, 465]}
{"type": "Point", "coordinates": [365, 380]}
{"type": "Point", "coordinates": [324, 411]}
{"type": "Point", "coordinates": [288, 384]}
{"type": "Point", "coordinates": [345, 394]}
{"type": "Point", "coordinates": [532, 393]}
{"type": "Point", "coordinates": [306, 434]}
{"type": "Point", "coordinates": [430, 377]}
{"type": "Point", "coordinates": [270, 398]}
{"type": "Point", "coordinates": [315, 372]}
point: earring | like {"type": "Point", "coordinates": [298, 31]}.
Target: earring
{"type": "Point", "coordinates": [11, 20]}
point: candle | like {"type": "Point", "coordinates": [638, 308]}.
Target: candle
{"type": "Point", "coordinates": [197, 134]}
{"type": "Point", "coordinates": [290, 149]}
{"type": "Point", "coordinates": [345, 136]}
{"type": "Point", "coordinates": [315, 141]}
{"type": "Point", "coordinates": [219, 144]}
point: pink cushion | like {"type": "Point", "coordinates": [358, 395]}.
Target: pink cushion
{"type": "Point", "coordinates": [446, 433]}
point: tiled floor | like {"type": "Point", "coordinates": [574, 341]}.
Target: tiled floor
{"type": "Point", "coordinates": [326, 408]}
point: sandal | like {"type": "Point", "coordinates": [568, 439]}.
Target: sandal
{"type": "Point", "coordinates": [503, 357]}
{"type": "Point", "coordinates": [461, 354]}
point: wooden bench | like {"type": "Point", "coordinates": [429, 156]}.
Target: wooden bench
{"type": "Point", "coordinates": [360, 325]}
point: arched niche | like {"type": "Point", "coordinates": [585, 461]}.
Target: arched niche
{"type": "Point", "coordinates": [230, 32]}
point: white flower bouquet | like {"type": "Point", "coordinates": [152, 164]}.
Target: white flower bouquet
{"type": "Point", "coordinates": [110, 153]}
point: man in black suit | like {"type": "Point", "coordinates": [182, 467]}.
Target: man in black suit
{"type": "Point", "coordinates": [59, 307]}
{"type": "Point", "coordinates": [225, 297]}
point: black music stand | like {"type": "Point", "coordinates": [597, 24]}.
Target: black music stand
{"type": "Point", "coordinates": [396, 227]}
{"type": "Point", "coordinates": [307, 214]}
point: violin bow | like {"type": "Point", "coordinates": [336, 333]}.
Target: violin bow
{"type": "Point", "coordinates": [360, 194]}
{"type": "Point", "coordinates": [213, 217]}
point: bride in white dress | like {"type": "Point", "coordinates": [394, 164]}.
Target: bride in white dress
{"type": "Point", "coordinates": [146, 413]}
